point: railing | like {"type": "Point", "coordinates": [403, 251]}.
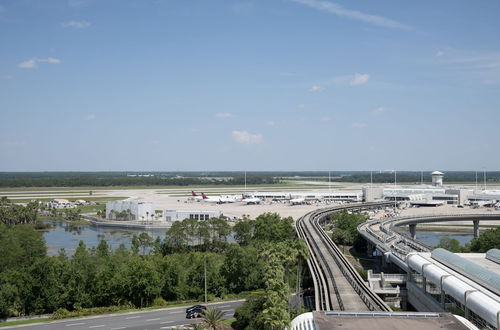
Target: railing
{"type": "Point", "coordinates": [322, 272]}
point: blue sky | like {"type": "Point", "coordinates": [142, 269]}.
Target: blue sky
{"type": "Point", "coordinates": [255, 85]}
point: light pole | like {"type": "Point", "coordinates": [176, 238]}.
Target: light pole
{"type": "Point", "coordinates": [205, 262]}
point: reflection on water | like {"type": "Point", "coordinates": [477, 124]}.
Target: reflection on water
{"type": "Point", "coordinates": [66, 235]}
{"type": "Point", "coordinates": [432, 238]}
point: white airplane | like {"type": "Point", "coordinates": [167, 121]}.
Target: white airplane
{"type": "Point", "coordinates": [250, 200]}
{"type": "Point", "coordinates": [195, 196]}
{"type": "Point", "coordinates": [297, 201]}
{"type": "Point", "coordinates": [219, 199]}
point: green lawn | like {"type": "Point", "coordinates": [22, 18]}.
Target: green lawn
{"type": "Point", "coordinates": [94, 199]}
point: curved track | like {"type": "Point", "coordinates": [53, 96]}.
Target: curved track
{"type": "Point", "coordinates": [382, 233]}
{"type": "Point", "coordinates": [338, 286]}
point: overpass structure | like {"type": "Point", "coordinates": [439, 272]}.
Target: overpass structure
{"type": "Point", "coordinates": [382, 234]}
{"type": "Point", "coordinates": [337, 285]}
{"type": "Point", "coordinates": [438, 280]}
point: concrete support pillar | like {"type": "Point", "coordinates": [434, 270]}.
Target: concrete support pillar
{"type": "Point", "coordinates": [413, 231]}
{"type": "Point", "coordinates": [369, 248]}
{"type": "Point", "coordinates": [476, 227]}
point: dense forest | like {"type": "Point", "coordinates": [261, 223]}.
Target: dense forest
{"type": "Point", "coordinates": [108, 179]}
{"type": "Point", "coordinates": [265, 258]}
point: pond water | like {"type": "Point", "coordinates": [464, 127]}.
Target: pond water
{"type": "Point", "coordinates": [432, 238]}
{"type": "Point", "coordinates": [67, 236]}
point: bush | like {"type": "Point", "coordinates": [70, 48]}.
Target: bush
{"type": "Point", "coordinates": [160, 302]}
{"type": "Point", "coordinates": [61, 313]}
{"type": "Point", "coordinates": [210, 297]}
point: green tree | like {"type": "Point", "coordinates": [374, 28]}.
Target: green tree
{"type": "Point", "coordinates": [450, 244]}
{"type": "Point", "coordinates": [145, 241]}
{"type": "Point", "coordinates": [271, 227]}
{"type": "Point", "coordinates": [489, 239]}
{"type": "Point", "coordinates": [212, 318]}
{"type": "Point", "coordinates": [244, 231]}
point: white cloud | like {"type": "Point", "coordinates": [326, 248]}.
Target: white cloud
{"type": "Point", "coordinates": [29, 64]}
{"type": "Point", "coordinates": [316, 89]}
{"type": "Point", "coordinates": [325, 118]}
{"type": "Point", "coordinates": [76, 24]}
{"type": "Point", "coordinates": [33, 62]}
{"type": "Point", "coordinates": [224, 115]}
{"type": "Point", "coordinates": [379, 111]}
{"type": "Point", "coordinates": [91, 117]}
{"type": "Point", "coordinates": [359, 79]}
{"type": "Point", "coordinates": [50, 60]}
{"type": "Point", "coordinates": [336, 9]}
{"type": "Point", "coordinates": [439, 53]}
{"type": "Point", "coordinates": [244, 137]}
{"type": "Point", "coordinates": [359, 125]}
{"type": "Point", "coordinates": [270, 123]}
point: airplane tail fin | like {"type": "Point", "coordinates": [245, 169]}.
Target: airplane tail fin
{"type": "Point", "coordinates": [193, 194]}
{"type": "Point", "coordinates": [203, 196]}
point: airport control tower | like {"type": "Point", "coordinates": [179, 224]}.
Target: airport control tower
{"type": "Point", "coordinates": [437, 178]}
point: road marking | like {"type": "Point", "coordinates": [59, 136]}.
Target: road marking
{"type": "Point", "coordinates": [132, 317]}
{"type": "Point", "coordinates": [152, 320]}
{"type": "Point", "coordinates": [72, 324]}
{"type": "Point", "coordinates": [167, 322]}
{"type": "Point", "coordinates": [118, 328]}
{"type": "Point", "coordinates": [96, 326]}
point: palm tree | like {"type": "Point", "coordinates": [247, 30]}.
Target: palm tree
{"type": "Point", "coordinates": [212, 318]}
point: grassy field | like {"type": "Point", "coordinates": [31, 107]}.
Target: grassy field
{"type": "Point", "coordinates": [93, 199]}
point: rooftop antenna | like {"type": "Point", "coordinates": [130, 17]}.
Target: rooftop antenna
{"type": "Point", "coordinates": [476, 179]}
{"type": "Point", "coordinates": [395, 180]}
{"type": "Point", "coordinates": [484, 169]}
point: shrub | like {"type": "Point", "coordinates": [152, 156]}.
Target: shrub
{"type": "Point", "coordinates": [61, 313]}
{"type": "Point", "coordinates": [160, 302]}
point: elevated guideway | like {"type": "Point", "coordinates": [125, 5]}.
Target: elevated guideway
{"type": "Point", "coordinates": [383, 235]}
{"type": "Point", "coordinates": [338, 286]}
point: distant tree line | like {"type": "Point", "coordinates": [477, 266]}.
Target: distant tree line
{"type": "Point", "coordinates": [108, 179]}
{"type": "Point", "coordinates": [265, 257]}
{"type": "Point", "coordinates": [116, 179]}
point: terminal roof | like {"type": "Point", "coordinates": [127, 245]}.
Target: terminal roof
{"type": "Point", "coordinates": [385, 321]}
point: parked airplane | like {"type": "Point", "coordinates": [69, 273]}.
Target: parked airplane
{"type": "Point", "coordinates": [250, 200]}
{"type": "Point", "coordinates": [219, 199]}
{"type": "Point", "coordinates": [195, 196]}
{"type": "Point", "coordinates": [297, 201]}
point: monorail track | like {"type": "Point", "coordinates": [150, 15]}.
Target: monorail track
{"type": "Point", "coordinates": [337, 285]}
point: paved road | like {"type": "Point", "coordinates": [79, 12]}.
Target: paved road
{"type": "Point", "coordinates": [146, 320]}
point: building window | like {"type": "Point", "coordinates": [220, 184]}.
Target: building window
{"type": "Point", "coordinates": [191, 216]}
{"type": "Point", "coordinates": [479, 321]}
{"type": "Point", "coordinates": [416, 278]}
{"type": "Point", "coordinates": [433, 290]}
{"type": "Point", "coordinates": [453, 306]}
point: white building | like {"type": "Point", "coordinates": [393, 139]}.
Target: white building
{"type": "Point", "coordinates": [179, 215]}
{"type": "Point", "coordinates": [344, 196]}
{"type": "Point", "coordinates": [437, 178]}
{"type": "Point", "coordinates": [138, 210]}
{"type": "Point", "coordinates": [60, 204]}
